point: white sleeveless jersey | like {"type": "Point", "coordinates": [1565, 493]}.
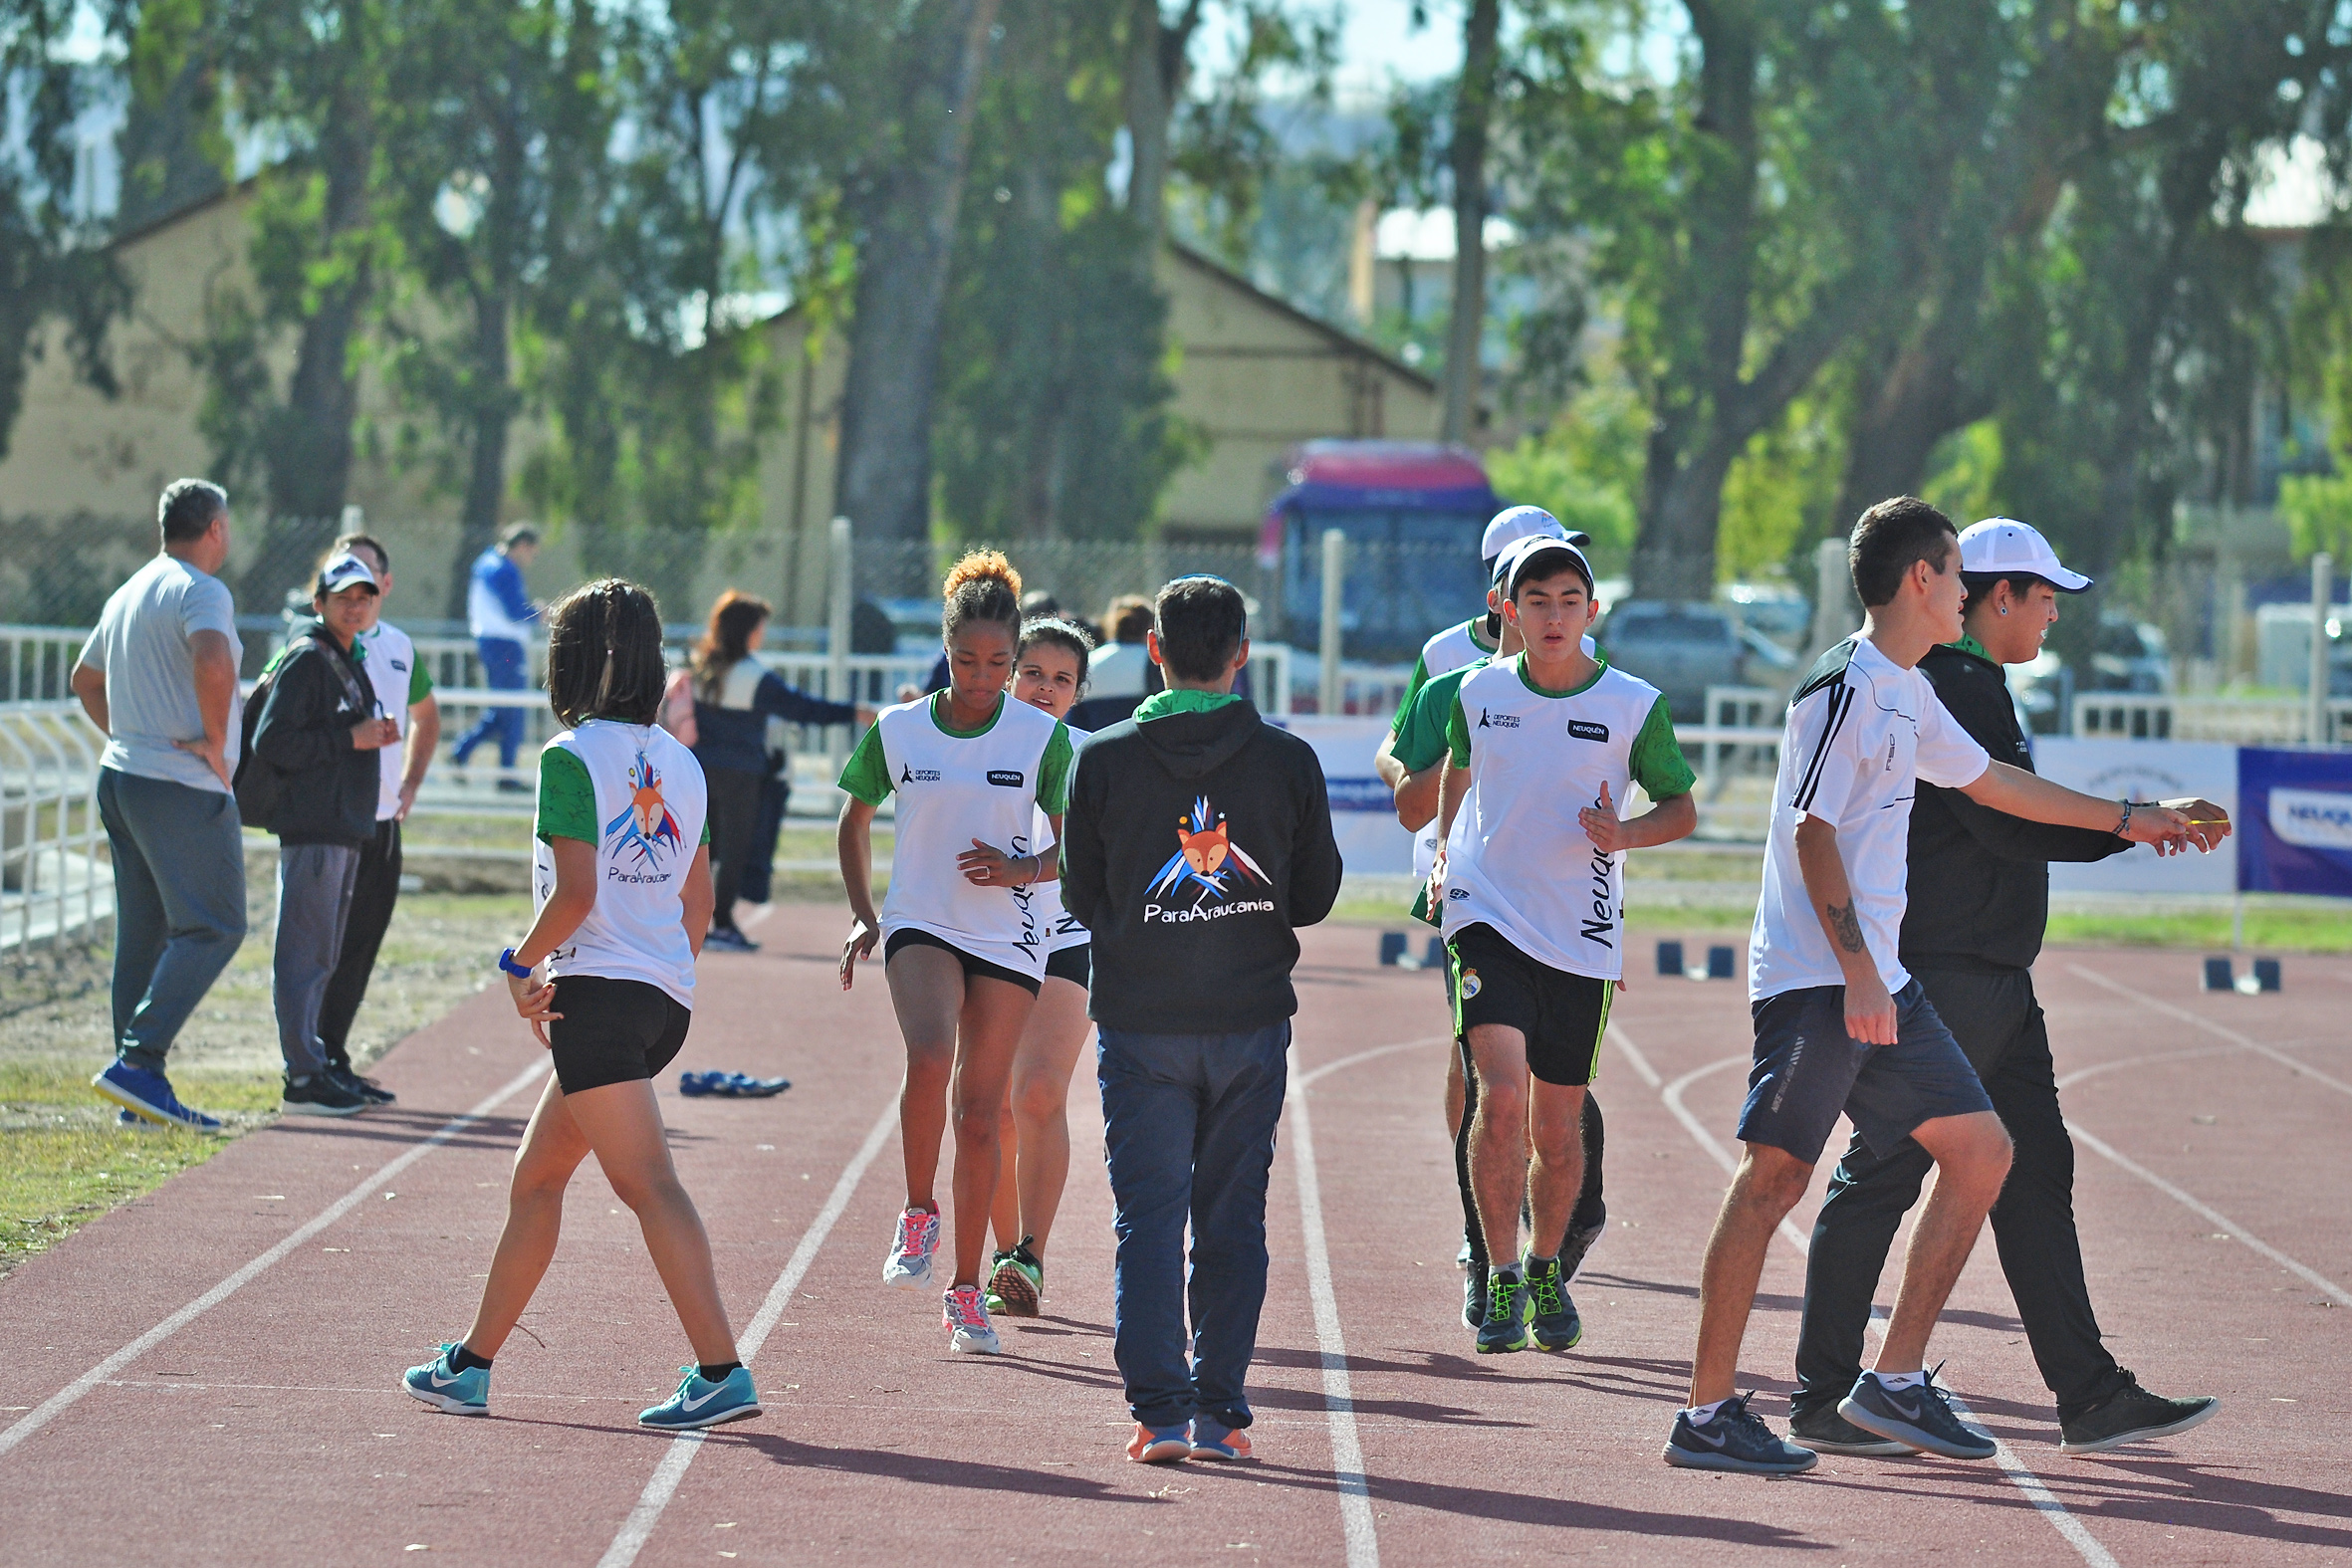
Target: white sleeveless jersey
{"type": "Point", "coordinates": [650, 808]}
{"type": "Point", "coordinates": [952, 790]}
{"type": "Point", "coordinates": [1061, 926]}
{"type": "Point", "coordinates": [1518, 860]}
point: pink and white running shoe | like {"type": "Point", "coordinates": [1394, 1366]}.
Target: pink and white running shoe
{"type": "Point", "coordinates": [965, 1317]}
{"type": "Point", "coordinates": [909, 1263]}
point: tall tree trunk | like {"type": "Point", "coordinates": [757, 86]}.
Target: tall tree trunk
{"type": "Point", "coordinates": [1910, 398]}
{"type": "Point", "coordinates": [493, 412]}
{"type": "Point", "coordinates": [1474, 104]}
{"type": "Point", "coordinates": [907, 221]}
{"type": "Point", "coordinates": [1159, 56]}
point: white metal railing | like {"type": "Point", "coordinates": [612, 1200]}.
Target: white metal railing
{"type": "Point", "coordinates": [35, 662]}
{"type": "Point", "coordinates": [53, 882]}
{"type": "Point", "coordinates": [2234, 721]}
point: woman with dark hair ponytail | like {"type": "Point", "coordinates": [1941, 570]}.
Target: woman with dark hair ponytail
{"type": "Point", "coordinates": [735, 697]}
{"type": "Point", "coordinates": [961, 935]}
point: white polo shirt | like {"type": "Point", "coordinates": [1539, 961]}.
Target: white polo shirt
{"type": "Point", "coordinates": [1861, 734]}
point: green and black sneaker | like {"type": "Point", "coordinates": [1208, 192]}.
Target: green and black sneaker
{"type": "Point", "coordinates": [1016, 1285]}
{"type": "Point", "coordinates": [1554, 1322]}
{"type": "Point", "coordinates": [1508, 1309]}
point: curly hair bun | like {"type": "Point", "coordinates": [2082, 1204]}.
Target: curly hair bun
{"type": "Point", "coordinates": [983, 565]}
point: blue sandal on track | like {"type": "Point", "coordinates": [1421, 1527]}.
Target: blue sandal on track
{"type": "Point", "coordinates": [730, 1085]}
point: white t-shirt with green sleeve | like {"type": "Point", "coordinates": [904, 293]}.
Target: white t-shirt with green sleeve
{"type": "Point", "coordinates": [953, 787]}
{"type": "Point", "coordinates": [636, 794]}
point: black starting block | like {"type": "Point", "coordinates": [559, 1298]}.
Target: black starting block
{"type": "Point", "coordinates": [1435, 957]}
{"type": "Point", "coordinates": [1720, 963]}
{"type": "Point", "coordinates": [1392, 947]}
{"type": "Point", "coordinates": [2266, 974]}
{"type": "Point", "coordinates": [1396, 951]}
{"type": "Point", "coordinates": [2216, 975]}
{"type": "Point", "coordinates": [1670, 959]}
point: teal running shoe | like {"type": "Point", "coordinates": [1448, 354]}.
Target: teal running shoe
{"type": "Point", "coordinates": [1509, 1308]}
{"type": "Point", "coordinates": [440, 1385]}
{"type": "Point", "coordinates": [1555, 1323]}
{"type": "Point", "coordinates": [701, 1403]}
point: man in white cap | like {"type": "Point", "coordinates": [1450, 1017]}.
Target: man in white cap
{"type": "Point", "coordinates": [1973, 947]}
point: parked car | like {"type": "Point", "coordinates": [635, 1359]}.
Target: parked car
{"type": "Point", "coordinates": [1680, 648]}
{"type": "Point", "coordinates": [2127, 655]}
{"type": "Point", "coordinates": [1773, 608]}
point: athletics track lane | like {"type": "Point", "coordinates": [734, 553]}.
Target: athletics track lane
{"type": "Point", "coordinates": [889, 1445]}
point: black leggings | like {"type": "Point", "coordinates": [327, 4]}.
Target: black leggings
{"type": "Point", "coordinates": [1589, 1210]}
{"type": "Point", "coordinates": [734, 819]}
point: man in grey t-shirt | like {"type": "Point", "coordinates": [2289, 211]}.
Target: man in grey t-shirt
{"type": "Point", "coordinates": [160, 677]}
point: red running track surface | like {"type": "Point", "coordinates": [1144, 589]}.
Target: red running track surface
{"type": "Point", "coordinates": [172, 1401]}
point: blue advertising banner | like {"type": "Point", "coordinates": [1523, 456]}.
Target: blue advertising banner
{"type": "Point", "coordinates": [2294, 821]}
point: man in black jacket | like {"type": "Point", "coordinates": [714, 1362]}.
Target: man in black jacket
{"type": "Point", "coordinates": [1971, 941]}
{"type": "Point", "coordinates": [1197, 837]}
{"type": "Point", "coordinates": [319, 729]}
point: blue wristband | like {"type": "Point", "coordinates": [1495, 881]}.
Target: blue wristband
{"type": "Point", "coordinates": [506, 961]}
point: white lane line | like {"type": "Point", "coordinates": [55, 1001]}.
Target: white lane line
{"type": "Point", "coordinates": [2122, 1063]}
{"type": "Point", "coordinates": [2030, 1485]}
{"type": "Point", "coordinates": [2311, 1276]}
{"type": "Point", "coordinates": [1347, 1449]}
{"type": "Point", "coordinates": [57, 1403]}
{"type": "Point", "coordinates": [638, 1528]}
{"type": "Point", "coordinates": [1632, 1053]}
{"type": "Point", "coordinates": [2210, 1027]}
{"type": "Point", "coordinates": [1330, 1067]}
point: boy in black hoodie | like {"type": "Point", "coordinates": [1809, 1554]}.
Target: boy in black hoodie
{"type": "Point", "coordinates": [1197, 837]}
{"type": "Point", "coordinates": [318, 731]}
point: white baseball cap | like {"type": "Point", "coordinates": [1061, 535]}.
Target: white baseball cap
{"type": "Point", "coordinates": [1523, 562]}
{"type": "Point", "coordinates": [346, 570]}
{"type": "Point", "coordinates": [2005, 545]}
{"type": "Point", "coordinates": [1514, 523]}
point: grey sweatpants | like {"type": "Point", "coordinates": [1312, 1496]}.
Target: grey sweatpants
{"type": "Point", "coordinates": [313, 902]}
{"type": "Point", "coordinates": [179, 903]}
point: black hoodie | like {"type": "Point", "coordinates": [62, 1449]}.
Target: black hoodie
{"type": "Point", "coordinates": [1193, 844]}
{"type": "Point", "coordinates": [304, 732]}
{"type": "Point", "coordinates": [1981, 879]}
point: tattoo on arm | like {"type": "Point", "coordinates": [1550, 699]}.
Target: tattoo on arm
{"type": "Point", "coordinates": [1847, 925]}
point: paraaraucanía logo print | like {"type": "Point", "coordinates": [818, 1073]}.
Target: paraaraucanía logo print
{"type": "Point", "coordinates": [1207, 858]}
{"type": "Point", "coordinates": [645, 829]}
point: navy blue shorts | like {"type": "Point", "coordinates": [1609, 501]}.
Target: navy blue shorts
{"type": "Point", "coordinates": [1808, 1069]}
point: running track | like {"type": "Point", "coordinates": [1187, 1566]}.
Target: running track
{"type": "Point", "coordinates": [208, 1375]}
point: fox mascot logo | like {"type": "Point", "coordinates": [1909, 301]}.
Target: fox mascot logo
{"type": "Point", "coordinates": [645, 827]}
{"type": "Point", "coordinates": [1206, 856]}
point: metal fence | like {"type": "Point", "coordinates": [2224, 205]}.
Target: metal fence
{"type": "Point", "coordinates": [2234, 721]}
{"type": "Point", "coordinates": [53, 882]}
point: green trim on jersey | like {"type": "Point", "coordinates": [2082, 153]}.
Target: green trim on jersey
{"type": "Point", "coordinates": [1528, 681]}
{"type": "Point", "coordinates": [1421, 740]}
{"type": "Point", "coordinates": [1053, 772]}
{"type": "Point", "coordinates": [568, 800]}
{"type": "Point", "coordinates": [421, 685]}
{"type": "Point", "coordinates": [1420, 676]}
{"type": "Point", "coordinates": [867, 775]}
{"type": "Point", "coordinates": [1656, 761]}
{"type": "Point", "coordinates": [1160, 704]}
{"type": "Point", "coordinates": [940, 702]}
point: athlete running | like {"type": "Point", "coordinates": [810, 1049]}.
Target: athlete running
{"type": "Point", "coordinates": [1050, 674]}
{"type": "Point", "coordinates": [962, 939]}
{"type": "Point", "coordinates": [1529, 880]}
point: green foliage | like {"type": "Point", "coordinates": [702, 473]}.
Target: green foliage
{"type": "Point", "coordinates": [1783, 483]}
{"type": "Point", "coordinates": [1963, 470]}
{"type": "Point", "coordinates": [1584, 468]}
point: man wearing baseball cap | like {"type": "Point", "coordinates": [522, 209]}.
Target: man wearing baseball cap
{"type": "Point", "coordinates": [1972, 947]}
{"type": "Point", "coordinates": [311, 776]}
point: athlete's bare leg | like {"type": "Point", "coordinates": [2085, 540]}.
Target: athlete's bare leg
{"type": "Point", "coordinates": [1972, 1156]}
{"type": "Point", "coordinates": [927, 992]}
{"type": "Point", "coordinates": [1768, 1184]}
{"type": "Point", "coordinates": [1041, 1068]}
{"type": "Point", "coordinates": [988, 1029]}
{"type": "Point", "coordinates": [1499, 1138]}
{"type": "Point", "coordinates": [1556, 1171]}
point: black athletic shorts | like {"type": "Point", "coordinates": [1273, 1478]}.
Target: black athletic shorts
{"type": "Point", "coordinates": [1075, 965]}
{"type": "Point", "coordinates": [974, 968]}
{"type": "Point", "coordinates": [1562, 1015]}
{"type": "Point", "coordinates": [613, 1031]}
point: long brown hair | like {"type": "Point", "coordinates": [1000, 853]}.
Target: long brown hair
{"type": "Point", "coordinates": [603, 653]}
{"type": "Point", "coordinates": [727, 639]}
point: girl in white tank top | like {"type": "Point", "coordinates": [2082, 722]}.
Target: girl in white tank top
{"type": "Point", "coordinates": [962, 939]}
{"type": "Point", "coordinates": [623, 881]}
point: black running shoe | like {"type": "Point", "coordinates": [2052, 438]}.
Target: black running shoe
{"type": "Point", "coordinates": [1824, 1430]}
{"type": "Point", "coordinates": [365, 1088]}
{"type": "Point", "coordinates": [1917, 1417]}
{"type": "Point", "coordinates": [319, 1095]}
{"type": "Point", "coordinates": [2132, 1416]}
{"type": "Point", "coordinates": [1555, 1324]}
{"type": "Point", "coordinates": [1735, 1439]}
{"type": "Point", "coordinates": [1474, 1294]}
{"type": "Point", "coordinates": [1579, 1241]}
{"type": "Point", "coordinates": [1505, 1327]}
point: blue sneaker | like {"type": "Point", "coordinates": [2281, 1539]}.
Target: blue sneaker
{"type": "Point", "coordinates": [1735, 1439]}
{"type": "Point", "coordinates": [701, 1403]}
{"type": "Point", "coordinates": [443, 1387]}
{"type": "Point", "coordinates": [1213, 1440]}
{"type": "Point", "coordinates": [148, 1096]}
{"type": "Point", "coordinates": [1555, 1323]}
{"type": "Point", "coordinates": [1509, 1309]}
{"type": "Point", "coordinates": [1917, 1417]}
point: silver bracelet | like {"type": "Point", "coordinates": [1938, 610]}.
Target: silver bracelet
{"type": "Point", "coordinates": [2124, 826]}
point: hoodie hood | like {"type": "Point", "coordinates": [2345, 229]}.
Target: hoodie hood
{"type": "Point", "coordinates": [1191, 745]}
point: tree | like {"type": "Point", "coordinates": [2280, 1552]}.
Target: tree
{"type": "Point", "coordinates": [52, 266]}
{"type": "Point", "coordinates": [1474, 99]}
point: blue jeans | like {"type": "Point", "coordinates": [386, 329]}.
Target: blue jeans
{"type": "Point", "coordinates": [179, 903]}
{"type": "Point", "coordinates": [504, 669]}
{"type": "Point", "coordinates": [1188, 1134]}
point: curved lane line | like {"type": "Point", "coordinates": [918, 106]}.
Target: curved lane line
{"type": "Point", "coordinates": [2028, 1484]}
{"type": "Point", "coordinates": [57, 1403]}
{"type": "Point", "coordinates": [638, 1528]}
{"type": "Point", "coordinates": [2121, 1062]}
{"type": "Point", "coordinates": [1330, 1067]}
{"type": "Point", "coordinates": [1347, 1449]}
{"type": "Point", "coordinates": [2210, 1027]}
{"type": "Point", "coordinates": [2308, 1275]}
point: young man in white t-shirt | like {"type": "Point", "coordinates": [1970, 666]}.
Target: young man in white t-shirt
{"type": "Point", "coordinates": [1531, 878]}
{"type": "Point", "coordinates": [1840, 1027]}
